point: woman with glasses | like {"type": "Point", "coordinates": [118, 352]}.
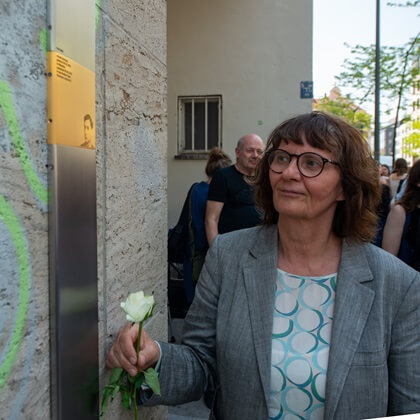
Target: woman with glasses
{"type": "Point", "coordinates": [301, 317]}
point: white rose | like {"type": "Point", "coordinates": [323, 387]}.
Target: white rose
{"type": "Point", "coordinates": [138, 307]}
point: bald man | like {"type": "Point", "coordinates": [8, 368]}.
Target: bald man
{"type": "Point", "coordinates": [230, 201]}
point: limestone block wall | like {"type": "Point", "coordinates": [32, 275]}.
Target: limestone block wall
{"type": "Point", "coordinates": [131, 188]}
{"type": "Point", "coordinates": [131, 170]}
{"type": "Point", "coordinates": [24, 322]}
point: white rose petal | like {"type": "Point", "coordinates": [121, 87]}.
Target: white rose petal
{"type": "Point", "coordinates": [138, 306]}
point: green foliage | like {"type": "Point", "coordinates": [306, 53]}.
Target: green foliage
{"type": "Point", "coordinates": [411, 144]}
{"type": "Point", "coordinates": [115, 375]}
{"type": "Point", "coordinates": [151, 379]}
{"type": "Point", "coordinates": [113, 387]}
{"type": "Point", "coordinates": [121, 382]}
{"type": "Point", "coordinates": [139, 381]}
{"type": "Point", "coordinates": [396, 72]}
{"type": "Point", "coordinates": [344, 108]}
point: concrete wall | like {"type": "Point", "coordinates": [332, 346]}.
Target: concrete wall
{"type": "Point", "coordinates": [131, 188]}
{"type": "Point", "coordinates": [24, 345]}
{"type": "Point", "coordinates": [253, 53]}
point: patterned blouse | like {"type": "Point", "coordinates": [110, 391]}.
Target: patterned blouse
{"type": "Point", "coordinates": [303, 314]}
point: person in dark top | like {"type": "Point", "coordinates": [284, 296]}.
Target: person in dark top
{"type": "Point", "coordinates": [402, 228]}
{"type": "Point", "coordinates": [197, 244]}
{"type": "Point", "coordinates": [383, 208]}
{"type": "Point", "coordinates": [230, 201]}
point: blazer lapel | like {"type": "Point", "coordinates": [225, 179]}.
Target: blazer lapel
{"type": "Point", "coordinates": [353, 303]}
{"type": "Point", "coordinates": [260, 279]}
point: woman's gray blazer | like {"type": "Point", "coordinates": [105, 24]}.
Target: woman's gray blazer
{"type": "Point", "coordinates": [374, 362]}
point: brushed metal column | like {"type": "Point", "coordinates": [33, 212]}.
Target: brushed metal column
{"type": "Point", "coordinates": [72, 236]}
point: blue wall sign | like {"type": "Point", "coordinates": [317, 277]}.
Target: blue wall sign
{"type": "Point", "coordinates": [306, 90]}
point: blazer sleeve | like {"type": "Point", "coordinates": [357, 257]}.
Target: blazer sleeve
{"type": "Point", "coordinates": [186, 369]}
{"type": "Point", "coordinates": [404, 355]}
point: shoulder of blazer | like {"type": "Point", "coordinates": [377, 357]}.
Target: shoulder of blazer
{"type": "Point", "coordinates": [258, 240]}
{"type": "Point", "coordinates": [367, 262]}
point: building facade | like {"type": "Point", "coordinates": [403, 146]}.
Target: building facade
{"type": "Point", "coordinates": [408, 133]}
{"type": "Point", "coordinates": [238, 67]}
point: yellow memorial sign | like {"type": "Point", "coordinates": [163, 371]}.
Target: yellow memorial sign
{"type": "Point", "coordinates": [71, 102]}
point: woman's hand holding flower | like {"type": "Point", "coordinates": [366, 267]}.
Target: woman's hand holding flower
{"type": "Point", "coordinates": [123, 351]}
{"type": "Point", "coordinates": [132, 355]}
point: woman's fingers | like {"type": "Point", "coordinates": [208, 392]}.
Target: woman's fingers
{"type": "Point", "coordinates": [149, 352]}
{"type": "Point", "coordinates": [123, 352]}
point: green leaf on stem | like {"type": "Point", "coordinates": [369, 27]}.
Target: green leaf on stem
{"type": "Point", "coordinates": [139, 380]}
{"type": "Point", "coordinates": [126, 399]}
{"type": "Point", "coordinates": [104, 403]}
{"type": "Point", "coordinates": [131, 379]}
{"type": "Point", "coordinates": [124, 388]}
{"type": "Point", "coordinates": [151, 379]}
{"type": "Point", "coordinates": [115, 392]}
{"type": "Point", "coordinates": [115, 375]}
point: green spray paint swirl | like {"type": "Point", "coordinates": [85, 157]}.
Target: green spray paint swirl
{"type": "Point", "coordinates": [12, 224]}
{"type": "Point", "coordinates": [43, 36]}
{"type": "Point", "coordinates": [97, 14]}
{"type": "Point", "coordinates": [6, 103]}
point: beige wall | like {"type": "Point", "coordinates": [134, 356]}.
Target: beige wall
{"type": "Point", "coordinates": [253, 53]}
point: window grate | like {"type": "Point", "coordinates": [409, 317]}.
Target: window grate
{"type": "Point", "coordinates": [199, 123]}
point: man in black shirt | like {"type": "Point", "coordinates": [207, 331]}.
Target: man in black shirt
{"type": "Point", "coordinates": [230, 201]}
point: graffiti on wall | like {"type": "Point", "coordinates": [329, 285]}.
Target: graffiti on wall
{"type": "Point", "coordinates": [8, 109]}
{"type": "Point", "coordinates": [8, 216]}
{"type": "Point", "coordinates": [23, 190]}
{"type": "Point", "coordinates": [22, 185]}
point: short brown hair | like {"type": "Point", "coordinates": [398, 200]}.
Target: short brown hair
{"type": "Point", "coordinates": [217, 159]}
{"type": "Point", "coordinates": [355, 217]}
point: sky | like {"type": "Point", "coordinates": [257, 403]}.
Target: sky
{"type": "Point", "coordinates": [354, 22]}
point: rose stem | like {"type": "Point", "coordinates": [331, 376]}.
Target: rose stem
{"type": "Point", "coordinates": [137, 363]}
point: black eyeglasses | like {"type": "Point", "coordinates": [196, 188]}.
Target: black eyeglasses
{"type": "Point", "coordinates": [309, 164]}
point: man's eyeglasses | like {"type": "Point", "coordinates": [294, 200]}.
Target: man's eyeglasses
{"type": "Point", "coordinates": [309, 164]}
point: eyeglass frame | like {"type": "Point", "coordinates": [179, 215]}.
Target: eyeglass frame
{"type": "Point", "coordinates": [291, 155]}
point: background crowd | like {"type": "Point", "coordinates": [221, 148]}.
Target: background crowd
{"type": "Point", "coordinates": [230, 205]}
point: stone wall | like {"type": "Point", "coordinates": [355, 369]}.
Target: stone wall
{"type": "Point", "coordinates": [24, 320]}
{"type": "Point", "coordinates": [131, 156]}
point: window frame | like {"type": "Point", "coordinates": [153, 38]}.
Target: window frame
{"type": "Point", "coordinates": [193, 153]}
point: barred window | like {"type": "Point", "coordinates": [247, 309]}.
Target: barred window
{"type": "Point", "coordinates": [199, 123]}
